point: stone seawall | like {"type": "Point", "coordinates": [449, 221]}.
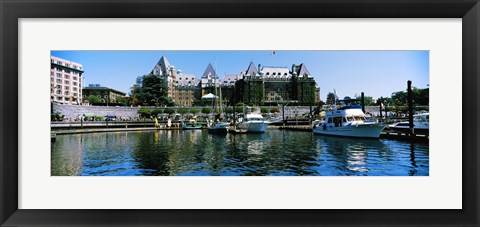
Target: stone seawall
{"type": "Point", "coordinates": [71, 111]}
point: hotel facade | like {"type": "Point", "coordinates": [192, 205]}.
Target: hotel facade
{"type": "Point", "coordinates": [267, 85]}
{"type": "Point", "coordinates": [65, 81]}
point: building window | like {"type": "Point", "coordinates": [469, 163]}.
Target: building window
{"type": "Point", "coordinates": [74, 83]}
{"type": "Point", "coordinates": [59, 81]}
{"type": "Point", "coordinates": [66, 76]}
{"type": "Point", "coordinates": [74, 78]}
{"type": "Point", "coordinates": [59, 98]}
{"type": "Point", "coordinates": [59, 75]}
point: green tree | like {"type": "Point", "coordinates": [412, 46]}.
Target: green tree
{"type": "Point", "coordinates": [229, 110]}
{"type": "Point", "coordinates": [93, 99]}
{"type": "Point", "coordinates": [368, 100]}
{"type": "Point", "coordinates": [169, 111]}
{"type": "Point", "coordinates": [239, 109]}
{"type": "Point", "coordinates": [264, 110]}
{"type": "Point", "coordinates": [144, 112]}
{"type": "Point", "coordinates": [182, 111]}
{"type": "Point", "coordinates": [400, 98]}
{"type": "Point", "coordinates": [421, 96]}
{"type": "Point", "coordinates": [330, 98]}
{"type": "Point", "coordinates": [194, 111]}
{"type": "Point", "coordinates": [156, 112]}
{"type": "Point", "coordinates": [206, 110]}
{"type": "Point", "coordinates": [124, 101]}
{"type": "Point", "coordinates": [152, 92]}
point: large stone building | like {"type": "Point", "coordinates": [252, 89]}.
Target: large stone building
{"type": "Point", "coordinates": [106, 95]}
{"type": "Point", "coordinates": [269, 86]}
{"type": "Point", "coordinates": [187, 88]}
{"type": "Point", "coordinates": [272, 85]}
{"type": "Point", "coordinates": [65, 81]}
{"type": "Point", "coordinates": [166, 71]}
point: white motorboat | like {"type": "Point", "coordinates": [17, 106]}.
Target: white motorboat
{"type": "Point", "coordinates": [254, 122]}
{"type": "Point", "coordinates": [348, 121]}
{"type": "Point", "coordinates": [421, 124]}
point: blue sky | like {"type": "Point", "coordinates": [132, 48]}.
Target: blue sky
{"type": "Point", "coordinates": [376, 73]}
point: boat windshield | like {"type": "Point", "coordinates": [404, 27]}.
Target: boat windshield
{"type": "Point", "coordinates": [421, 119]}
{"type": "Point", "coordinates": [350, 118]}
{"type": "Point", "coordinates": [359, 118]}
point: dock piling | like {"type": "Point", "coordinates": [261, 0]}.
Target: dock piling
{"type": "Point", "coordinates": [363, 102]}
{"type": "Point", "coordinates": [410, 107]}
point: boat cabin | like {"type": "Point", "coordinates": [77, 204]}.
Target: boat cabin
{"type": "Point", "coordinates": [345, 117]}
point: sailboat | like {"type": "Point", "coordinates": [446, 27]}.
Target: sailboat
{"type": "Point", "coordinates": [217, 126]}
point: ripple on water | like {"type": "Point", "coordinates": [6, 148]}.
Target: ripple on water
{"type": "Point", "coordinates": [197, 153]}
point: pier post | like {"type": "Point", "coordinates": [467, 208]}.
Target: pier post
{"type": "Point", "coordinates": [410, 107]}
{"type": "Point", "coordinates": [386, 113]}
{"type": "Point", "coordinates": [283, 115]}
{"type": "Point", "coordinates": [363, 103]}
{"type": "Point", "coordinates": [81, 122]}
{"type": "Point", "coordinates": [380, 106]}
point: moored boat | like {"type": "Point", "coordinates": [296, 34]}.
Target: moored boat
{"type": "Point", "coordinates": [420, 125]}
{"type": "Point", "coordinates": [191, 125]}
{"type": "Point", "coordinates": [348, 121]}
{"type": "Point", "coordinates": [254, 122]}
{"type": "Point", "coordinates": [218, 127]}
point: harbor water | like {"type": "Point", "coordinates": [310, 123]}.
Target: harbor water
{"type": "Point", "coordinates": [198, 153]}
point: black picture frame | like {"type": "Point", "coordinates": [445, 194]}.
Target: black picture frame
{"type": "Point", "coordinates": [11, 11]}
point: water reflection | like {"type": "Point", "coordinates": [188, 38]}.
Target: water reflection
{"type": "Point", "coordinates": [195, 152]}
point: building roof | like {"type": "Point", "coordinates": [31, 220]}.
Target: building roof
{"type": "Point", "coordinates": [104, 88]}
{"type": "Point", "coordinates": [251, 70]}
{"type": "Point", "coordinates": [229, 80]}
{"type": "Point", "coordinates": [162, 66]}
{"type": "Point", "coordinates": [186, 80]}
{"type": "Point", "coordinates": [276, 72]}
{"type": "Point", "coordinates": [303, 71]}
{"type": "Point", "coordinates": [210, 72]}
{"type": "Point", "coordinates": [63, 64]}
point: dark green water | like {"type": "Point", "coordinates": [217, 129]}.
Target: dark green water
{"type": "Point", "coordinates": [197, 153]}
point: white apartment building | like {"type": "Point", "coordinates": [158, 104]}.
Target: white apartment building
{"type": "Point", "coordinates": [65, 81]}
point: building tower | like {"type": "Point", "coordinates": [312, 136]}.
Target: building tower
{"type": "Point", "coordinates": [166, 71]}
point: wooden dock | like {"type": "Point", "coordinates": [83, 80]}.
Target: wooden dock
{"type": "Point", "coordinates": [405, 137]}
{"type": "Point", "coordinates": [296, 128]}
{"type": "Point", "coordinates": [384, 135]}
